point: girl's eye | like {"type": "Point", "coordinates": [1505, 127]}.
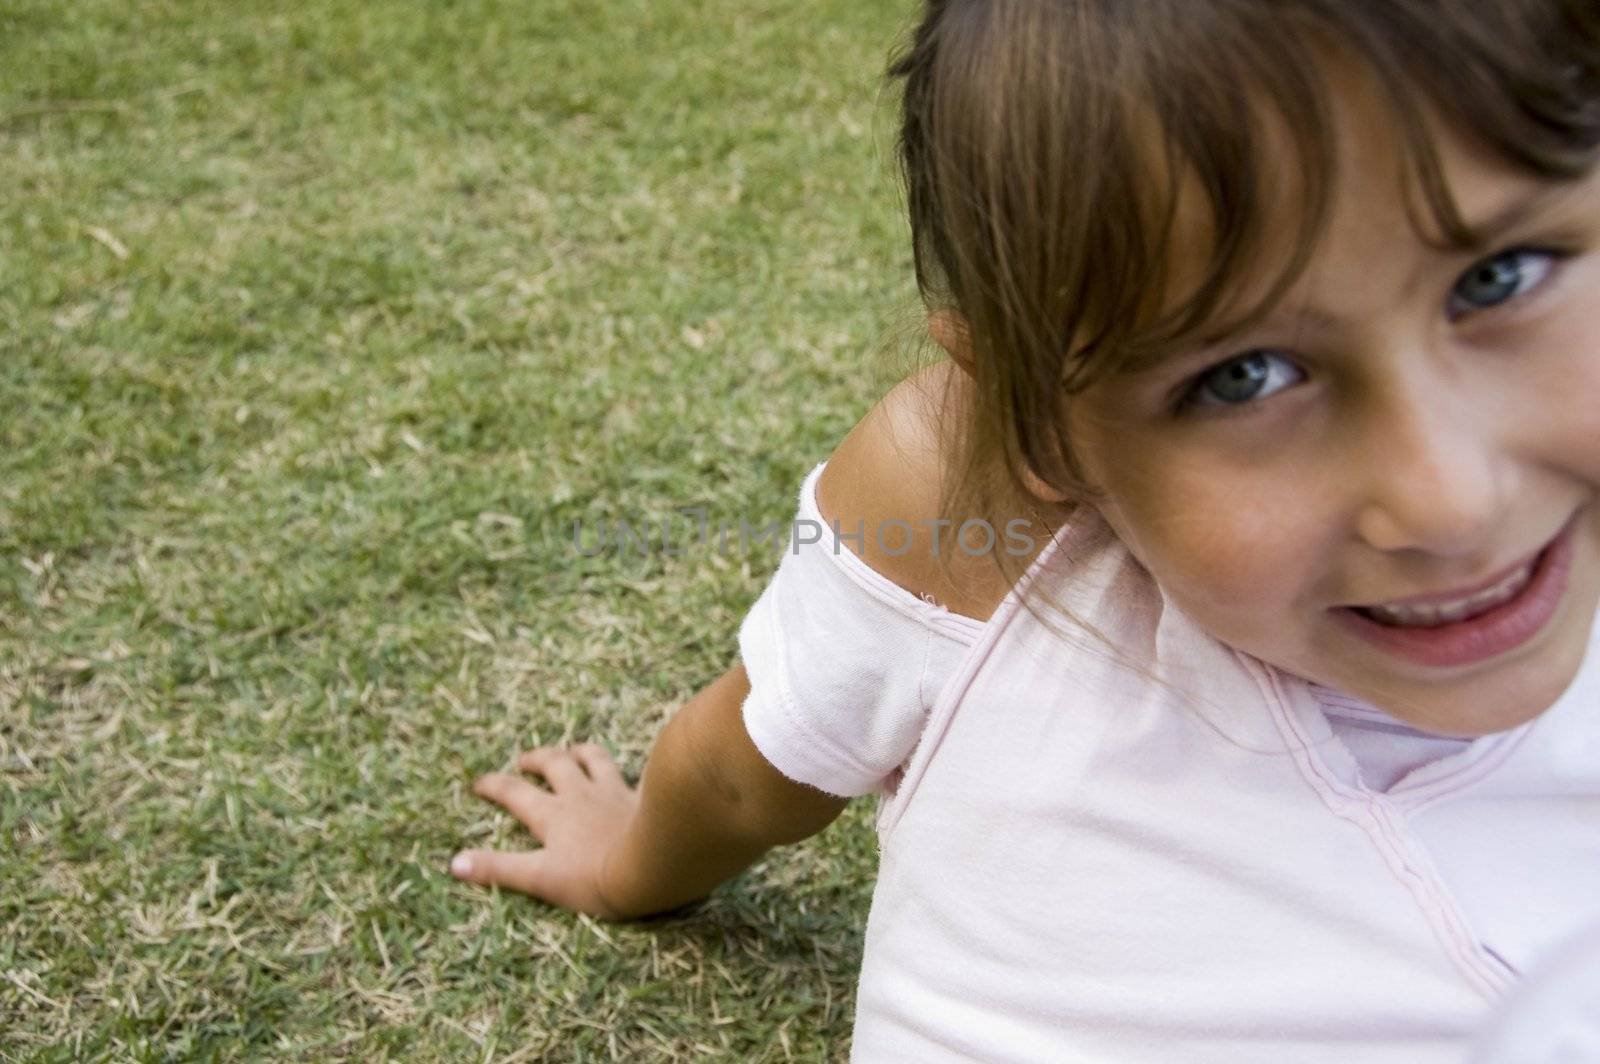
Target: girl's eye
{"type": "Point", "coordinates": [1502, 278]}
{"type": "Point", "coordinates": [1234, 383]}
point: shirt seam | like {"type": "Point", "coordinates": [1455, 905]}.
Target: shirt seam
{"type": "Point", "coordinates": [1491, 751]}
{"type": "Point", "coordinates": [927, 613]}
{"type": "Point", "coordinates": [1416, 798]}
{"type": "Point", "coordinates": [1406, 861]}
{"type": "Point", "coordinates": [796, 721]}
{"type": "Point", "coordinates": [959, 685]}
{"type": "Point", "coordinates": [922, 680]}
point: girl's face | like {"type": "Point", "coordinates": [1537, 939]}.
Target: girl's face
{"type": "Point", "coordinates": [1408, 422]}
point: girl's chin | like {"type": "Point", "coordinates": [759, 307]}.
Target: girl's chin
{"type": "Point", "coordinates": [1453, 714]}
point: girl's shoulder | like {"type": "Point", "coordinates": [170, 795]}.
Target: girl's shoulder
{"type": "Point", "coordinates": [886, 475]}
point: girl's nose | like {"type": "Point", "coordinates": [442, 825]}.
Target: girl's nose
{"type": "Point", "coordinates": [1435, 479]}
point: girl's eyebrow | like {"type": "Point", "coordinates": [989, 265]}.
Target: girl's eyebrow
{"type": "Point", "coordinates": [1514, 212]}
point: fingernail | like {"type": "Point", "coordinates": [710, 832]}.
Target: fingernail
{"type": "Point", "coordinates": [461, 866]}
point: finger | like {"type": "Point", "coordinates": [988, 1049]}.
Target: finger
{"type": "Point", "coordinates": [598, 762]}
{"type": "Point", "coordinates": [555, 764]}
{"type": "Point", "coordinates": [517, 796]}
{"type": "Point", "coordinates": [522, 872]}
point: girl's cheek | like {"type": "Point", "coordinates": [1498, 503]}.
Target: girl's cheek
{"type": "Point", "coordinates": [1563, 411]}
{"type": "Point", "coordinates": [1578, 439]}
{"type": "Point", "coordinates": [1220, 549]}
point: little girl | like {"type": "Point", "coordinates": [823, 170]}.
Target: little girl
{"type": "Point", "coordinates": [1273, 734]}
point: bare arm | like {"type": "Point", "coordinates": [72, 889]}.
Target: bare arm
{"type": "Point", "coordinates": [708, 805]}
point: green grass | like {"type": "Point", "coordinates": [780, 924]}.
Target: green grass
{"type": "Point", "coordinates": [319, 325]}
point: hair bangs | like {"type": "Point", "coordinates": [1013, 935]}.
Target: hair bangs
{"type": "Point", "coordinates": [1233, 167]}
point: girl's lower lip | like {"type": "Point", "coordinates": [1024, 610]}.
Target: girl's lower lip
{"type": "Point", "coordinates": [1488, 635]}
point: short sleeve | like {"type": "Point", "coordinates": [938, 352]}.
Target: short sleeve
{"type": "Point", "coordinates": [839, 659]}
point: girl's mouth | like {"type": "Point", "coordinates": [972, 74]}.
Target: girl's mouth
{"type": "Point", "coordinates": [1460, 609]}
{"type": "Point", "coordinates": [1492, 622]}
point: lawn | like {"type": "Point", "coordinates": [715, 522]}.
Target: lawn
{"type": "Point", "coordinates": [320, 325]}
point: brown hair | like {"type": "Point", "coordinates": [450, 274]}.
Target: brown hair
{"type": "Point", "coordinates": [1025, 150]}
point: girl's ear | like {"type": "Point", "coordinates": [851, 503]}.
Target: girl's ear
{"type": "Point", "coordinates": [949, 331]}
{"type": "Point", "coordinates": [1041, 490]}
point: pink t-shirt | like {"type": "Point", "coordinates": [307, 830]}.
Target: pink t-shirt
{"type": "Point", "coordinates": [889, 655]}
{"type": "Point", "coordinates": [1078, 864]}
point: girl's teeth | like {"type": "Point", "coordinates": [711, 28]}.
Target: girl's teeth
{"type": "Point", "coordinates": [1433, 616]}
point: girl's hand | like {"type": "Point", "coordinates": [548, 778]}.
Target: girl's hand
{"type": "Point", "coordinates": [580, 820]}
